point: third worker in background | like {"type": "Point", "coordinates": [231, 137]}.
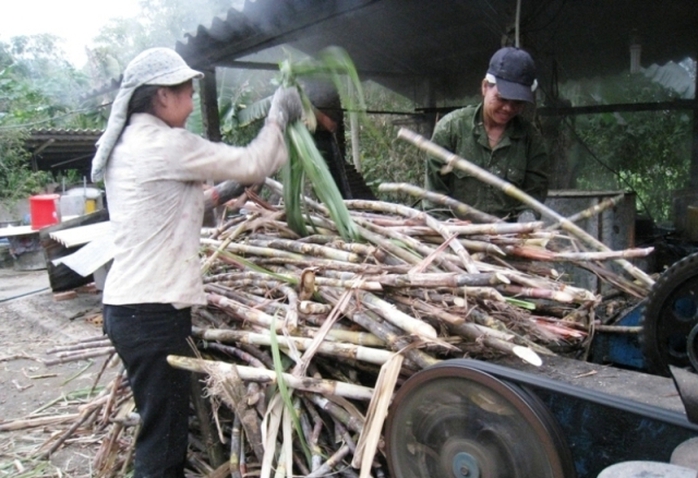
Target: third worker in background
{"type": "Point", "coordinates": [495, 137]}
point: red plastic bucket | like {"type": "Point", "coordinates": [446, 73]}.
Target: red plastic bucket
{"type": "Point", "coordinates": [44, 210]}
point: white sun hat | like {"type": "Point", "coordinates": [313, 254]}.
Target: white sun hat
{"type": "Point", "coordinates": [155, 66]}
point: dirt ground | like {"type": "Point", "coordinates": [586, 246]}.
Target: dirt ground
{"type": "Point", "coordinates": [31, 323]}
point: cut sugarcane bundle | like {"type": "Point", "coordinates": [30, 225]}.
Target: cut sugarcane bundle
{"type": "Point", "coordinates": [305, 160]}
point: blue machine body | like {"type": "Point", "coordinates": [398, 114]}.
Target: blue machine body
{"type": "Point", "coordinates": [621, 349]}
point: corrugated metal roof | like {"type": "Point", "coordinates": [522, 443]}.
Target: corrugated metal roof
{"type": "Point", "coordinates": [77, 236]}
{"type": "Point", "coordinates": [60, 149]}
{"type": "Point", "coordinates": [440, 49]}
{"type": "Point", "coordinates": [37, 135]}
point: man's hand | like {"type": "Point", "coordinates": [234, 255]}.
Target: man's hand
{"type": "Point", "coordinates": [286, 107]}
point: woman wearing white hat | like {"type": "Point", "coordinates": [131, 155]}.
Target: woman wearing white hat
{"type": "Point", "coordinates": [153, 171]}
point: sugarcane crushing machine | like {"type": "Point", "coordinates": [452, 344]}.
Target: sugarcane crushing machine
{"type": "Point", "coordinates": [474, 419]}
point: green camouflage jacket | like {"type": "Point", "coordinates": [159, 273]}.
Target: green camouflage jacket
{"type": "Point", "coordinates": [520, 158]}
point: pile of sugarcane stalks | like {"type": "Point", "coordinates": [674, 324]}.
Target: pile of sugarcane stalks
{"type": "Point", "coordinates": [304, 340]}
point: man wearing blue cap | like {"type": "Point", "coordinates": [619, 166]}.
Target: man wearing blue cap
{"type": "Point", "coordinates": [495, 137]}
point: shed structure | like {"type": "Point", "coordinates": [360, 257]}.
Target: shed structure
{"type": "Point", "coordinates": [434, 52]}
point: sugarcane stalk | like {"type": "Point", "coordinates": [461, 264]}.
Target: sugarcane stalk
{"type": "Point", "coordinates": [243, 312]}
{"type": "Point", "coordinates": [231, 290]}
{"type": "Point", "coordinates": [37, 422]}
{"type": "Point", "coordinates": [99, 375]}
{"type": "Point", "coordinates": [335, 349]}
{"type": "Point", "coordinates": [494, 229]}
{"type": "Point", "coordinates": [111, 397]}
{"type": "Point", "coordinates": [235, 447]}
{"type": "Point", "coordinates": [333, 265]}
{"type": "Point", "coordinates": [327, 387]}
{"type": "Point", "coordinates": [453, 160]}
{"type": "Point", "coordinates": [315, 450]}
{"type": "Point", "coordinates": [484, 293]}
{"type": "Point", "coordinates": [84, 417]}
{"type": "Point", "coordinates": [375, 416]}
{"type": "Point", "coordinates": [369, 321]}
{"type": "Point", "coordinates": [397, 317]}
{"type": "Point", "coordinates": [238, 248]}
{"type": "Point", "coordinates": [103, 342]}
{"type": "Point", "coordinates": [65, 357]}
{"type": "Point", "coordinates": [380, 233]}
{"type": "Point", "coordinates": [474, 332]}
{"type": "Point", "coordinates": [352, 422]}
{"type": "Point", "coordinates": [619, 282]}
{"type": "Point", "coordinates": [130, 452]}
{"type": "Point", "coordinates": [481, 246]}
{"type": "Point", "coordinates": [536, 293]}
{"type": "Point", "coordinates": [434, 280]}
{"type": "Point", "coordinates": [591, 211]}
{"type": "Point", "coordinates": [618, 329]}
{"type": "Point", "coordinates": [331, 463]}
{"type": "Point", "coordinates": [458, 248]}
{"type": "Point", "coordinates": [460, 209]}
{"type": "Point", "coordinates": [317, 341]}
{"type": "Point", "coordinates": [308, 307]}
{"type": "Point", "coordinates": [401, 253]}
{"type": "Point", "coordinates": [601, 256]}
{"type": "Point", "coordinates": [214, 448]}
{"type": "Point", "coordinates": [108, 456]}
{"type": "Point", "coordinates": [306, 249]}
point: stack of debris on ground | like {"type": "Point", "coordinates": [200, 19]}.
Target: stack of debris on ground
{"type": "Point", "coordinates": [304, 340]}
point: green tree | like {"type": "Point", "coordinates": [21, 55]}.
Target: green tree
{"type": "Point", "coordinates": [39, 88]}
{"type": "Point", "coordinates": [17, 180]}
{"type": "Point", "coordinates": [385, 158]}
{"type": "Point", "coordinates": [647, 152]}
{"type": "Point", "coordinates": [160, 23]}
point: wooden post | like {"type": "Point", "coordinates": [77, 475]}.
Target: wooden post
{"type": "Point", "coordinates": [694, 148]}
{"type": "Point", "coordinates": [209, 105]}
{"type": "Point", "coordinates": [212, 124]}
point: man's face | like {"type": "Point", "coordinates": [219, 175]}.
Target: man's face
{"type": "Point", "coordinates": [498, 111]}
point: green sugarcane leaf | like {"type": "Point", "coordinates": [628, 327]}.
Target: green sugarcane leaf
{"type": "Point", "coordinates": [524, 304]}
{"type": "Point", "coordinates": [305, 161]}
{"type": "Point", "coordinates": [284, 391]}
{"type": "Point", "coordinates": [292, 176]}
{"type": "Point", "coordinates": [252, 266]}
{"type": "Point", "coordinates": [318, 173]}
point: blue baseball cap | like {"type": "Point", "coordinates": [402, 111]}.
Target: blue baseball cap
{"type": "Point", "coordinates": [514, 73]}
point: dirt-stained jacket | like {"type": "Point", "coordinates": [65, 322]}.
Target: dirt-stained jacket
{"type": "Point", "coordinates": [520, 158]}
{"type": "Point", "coordinates": [154, 182]}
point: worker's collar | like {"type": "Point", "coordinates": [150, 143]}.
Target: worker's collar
{"type": "Point", "coordinates": [146, 118]}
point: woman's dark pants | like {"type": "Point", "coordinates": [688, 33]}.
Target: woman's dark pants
{"type": "Point", "coordinates": [144, 335]}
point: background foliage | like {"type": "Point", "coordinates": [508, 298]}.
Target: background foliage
{"type": "Point", "coordinates": [647, 152]}
{"type": "Point", "coordinates": [385, 158]}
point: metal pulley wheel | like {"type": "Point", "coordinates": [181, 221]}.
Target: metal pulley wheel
{"type": "Point", "coordinates": [670, 321]}
{"type": "Point", "coordinates": [453, 421]}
